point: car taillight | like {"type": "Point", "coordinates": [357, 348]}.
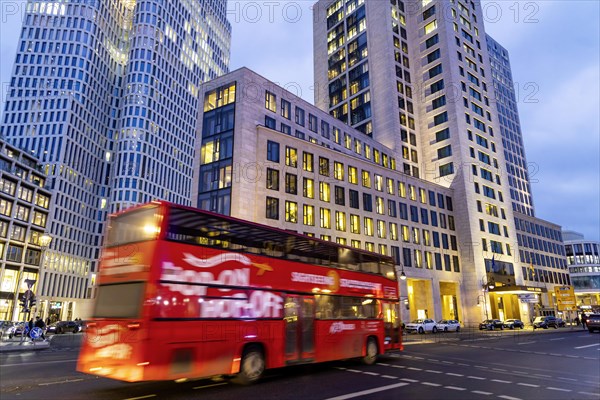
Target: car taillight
{"type": "Point", "coordinates": [133, 325]}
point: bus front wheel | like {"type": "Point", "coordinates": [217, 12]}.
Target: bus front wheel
{"type": "Point", "coordinates": [251, 367]}
{"type": "Point", "coordinates": [371, 352]}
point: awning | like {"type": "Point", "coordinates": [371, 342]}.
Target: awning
{"type": "Point", "coordinates": [517, 289]}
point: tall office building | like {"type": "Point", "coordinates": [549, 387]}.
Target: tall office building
{"type": "Point", "coordinates": [417, 77]}
{"type": "Point", "coordinates": [105, 94]}
{"type": "Point", "coordinates": [505, 98]}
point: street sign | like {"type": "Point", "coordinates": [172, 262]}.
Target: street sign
{"type": "Point", "coordinates": [35, 333]}
{"type": "Point", "coordinates": [565, 298]}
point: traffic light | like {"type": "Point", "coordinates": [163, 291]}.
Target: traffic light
{"type": "Point", "coordinates": [32, 301]}
{"type": "Point", "coordinates": [24, 303]}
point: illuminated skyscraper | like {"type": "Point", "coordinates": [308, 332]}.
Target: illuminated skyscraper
{"type": "Point", "coordinates": [104, 93]}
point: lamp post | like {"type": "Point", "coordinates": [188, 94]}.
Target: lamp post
{"type": "Point", "coordinates": [44, 242]}
{"type": "Point", "coordinates": [402, 274]}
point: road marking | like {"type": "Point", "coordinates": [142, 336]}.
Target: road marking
{"type": "Point", "coordinates": [558, 389]}
{"type": "Point", "coordinates": [453, 374]}
{"type": "Point", "coordinates": [560, 338]}
{"type": "Point", "coordinates": [481, 392]}
{"type": "Point", "coordinates": [509, 397]}
{"type": "Point", "coordinates": [500, 381]}
{"type": "Point", "coordinates": [433, 371]}
{"type": "Point", "coordinates": [56, 383]}
{"type": "Point", "coordinates": [398, 366]}
{"type": "Point", "coordinates": [589, 345]}
{"type": "Point", "coordinates": [415, 369]}
{"type": "Point", "coordinates": [527, 384]}
{"type": "Point", "coordinates": [482, 366]}
{"type": "Point", "coordinates": [368, 391]}
{"type": "Point", "coordinates": [555, 354]}
{"type": "Point", "coordinates": [371, 373]}
{"type": "Point", "coordinates": [567, 379]}
{"type": "Point", "coordinates": [520, 343]}
{"type": "Point", "coordinates": [211, 385]}
{"type": "Point", "coordinates": [455, 388]}
{"type": "Point", "coordinates": [409, 380]}
{"type": "Point", "coordinates": [588, 393]}
{"type": "Point", "coordinates": [431, 384]}
{"type": "Point", "coordinates": [38, 362]}
{"type": "Point", "coordinates": [353, 370]}
{"type": "Point", "coordinates": [387, 365]}
{"type": "Point", "coordinates": [141, 397]}
{"type": "Point", "coordinates": [543, 376]}
{"type": "Point", "coordinates": [463, 365]}
{"type": "Point", "coordinates": [476, 377]}
{"type": "Point", "coordinates": [389, 376]}
{"type": "Point", "coordinates": [499, 369]}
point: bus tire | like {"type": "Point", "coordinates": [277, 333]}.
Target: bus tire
{"type": "Point", "coordinates": [252, 366]}
{"type": "Point", "coordinates": [371, 352]}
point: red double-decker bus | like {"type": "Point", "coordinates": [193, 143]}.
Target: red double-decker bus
{"type": "Point", "coordinates": [185, 293]}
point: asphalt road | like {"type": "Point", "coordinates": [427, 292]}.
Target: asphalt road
{"type": "Point", "coordinates": [550, 365]}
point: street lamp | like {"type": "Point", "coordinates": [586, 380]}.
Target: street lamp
{"type": "Point", "coordinates": [402, 274]}
{"type": "Point", "coordinates": [44, 242]}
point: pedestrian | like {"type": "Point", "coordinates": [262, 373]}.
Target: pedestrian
{"type": "Point", "coordinates": [584, 321]}
{"type": "Point", "coordinates": [39, 323]}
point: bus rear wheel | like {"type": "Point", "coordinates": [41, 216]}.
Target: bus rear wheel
{"type": "Point", "coordinates": [371, 352]}
{"type": "Point", "coordinates": [251, 367]}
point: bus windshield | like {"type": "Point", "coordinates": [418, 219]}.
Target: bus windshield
{"type": "Point", "coordinates": [123, 300]}
{"type": "Point", "coordinates": [135, 226]}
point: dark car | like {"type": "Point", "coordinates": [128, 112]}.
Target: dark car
{"type": "Point", "coordinates": [593, 322]}
{"type": "Point", "coordinates": [514, 323]}
{"type": "Point", "coordinates": [545, 322]}
{"type": "Point", "coordinates": [491, 324]}
{"type": "Point", "coordinates": [63, 327]}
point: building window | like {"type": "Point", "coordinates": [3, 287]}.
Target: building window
{"type": "Point", "coordinates": [308, 188]}
{"type": "Point", "coordinates": [323, 166]}
{"type": "Point", "coordinates": [368, 222]}
{"type": "Point", "coordinates": [272, 179]}
{"type": "Point", "coordinates": [272, 151]}
{"type": "Point", "coordinates": [324, 191]}
{"type": "Point", "coordinates": [340, 198]}
{"type": "Point", "coordinates": [291, 157]}
{"type": "Point", "coordinates": [272, 209]}
{"type": "Point", "coordinates": [353, 195]}
{"type": "Point", "coordinates": [354, 224]}
{"type": "Point", "coordinates": [291, 211]}
{"type": "Point", "coordinates": [309, 215]}
{"type": "Point", "coordinates": [367, 202]}
{"type": "Point", "coordinates": [291, 183]}
{"type": "Point", "coordinates": [270, 122]}
{"type": "Point", "coordinates": [338, 171]}
{"type": "Point", "coordinates": [340, 221]}
{"type": "Point", "coordinates": [307, 161]}
{"type": "Point", "coordinates": [313, 123]}
{"type": "Point", "coordinates": [366, 179]}
{"type": "Point", "coordinates": [325, 218]}
{"type": "Point", "coordinates": [353, 175]}
{"type": "Point", "coordinates": [300, 116]}
{"type": "Point", "coordinates": [286, 109]}
{"type": "Point", "coordinates": [270, 101]}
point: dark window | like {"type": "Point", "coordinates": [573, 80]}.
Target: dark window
{"type": "Point", "coordinates": [272, 209]}
{"type": "Point", "coordinates": [273, 151]}
{"type": "Point", "coordinates": [272, 179]}
{"type": "Point", "coordinates": [354, 199]}
{"type": "Point", "coordinates": [340, 196]}
{"type": "Point", "coordinates": [367, 202]}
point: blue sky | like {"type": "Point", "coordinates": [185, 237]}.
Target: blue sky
{"type": "Point", "coordinates": [554, 50]}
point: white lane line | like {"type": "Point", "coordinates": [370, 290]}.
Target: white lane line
{"type": "Point", "coordinates": [409, 380]}
{"type": "Point", "coordinates": [500, 381]}
{"type": "Point", "coordinates": [480, 378]}
{"type": "Point", "coordinates": [208, 386]}
{"type": "Point", "coordinates": [430, 384]}
{"type": "Point", "coordinates": [588, 393]}
{"type": "Point", "coordinates": [368, 391]}
{"type": "Point", "coordinates": [543, 376]}
{"type": "Point", "coordinates": [589, 345]}
{"type": "Point", "coordinates": [567, 379]}
{"type": "Point", "coordinates": [527, 384]}
{"type": "Point", "coordinates": [384, 364]}
{"type": "Point", "coordinates": [38, 362]}
{"type": "Point", "coordinates": [433, 371]}
{"type": "Point", "coordinates": [558, 389]}
{"type": "Point", "coordinates": [141, 397]}
{"type": "Point", "coordinates": [453, 374]}
{"type": "Point", "coordinates": [481, 392]}
{"type": "Point", "coordinates": [56, 383]}
{"type": "Point", "coordinates": [509, 397]}
{"type": "Point", "coordinates": [521, 343]}
{"type": "Point", "coordinates": [397, 366]}
{"type": "Point", "coordinates": [370, 373]}
{"type": "Point", "coordinates": [560, 338]}
{"type": "Point", "coordinates": [463, 365]}
{"type": "Point", "coordinates": [389, 376]}
{"type": "Point", "coordinates": [455, 388]}
{"type": "Point", "coordinates": [353, 370]}
{"type": "Point", "coordinates": [415, 369]}
{"type": "Point", "coordinates": [499, 369]}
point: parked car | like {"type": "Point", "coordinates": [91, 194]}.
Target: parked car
{"type": "Point", "coordinates": [561, 322]}
{"type": "Point", "coordinates": [593, 322]}
{"type": "Point", "coordinates": [514, 323]}
{"type": "Point", "coordinates": [491, 324]}
{"type": "Point", "coordinates": [545, 322]}
{"type": "Point", "coordinates": [448, 325]}
{"type": "Point", "coordinates": [421, 326]}
{"type": "Point", "coordinates": [63, 327]}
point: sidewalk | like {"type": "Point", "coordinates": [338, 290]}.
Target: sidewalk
{"type": "Point", "coordinates": [15, 344]}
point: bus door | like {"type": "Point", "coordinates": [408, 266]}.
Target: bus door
{"type": "Point", "coordinates": [391, 313]}
{"type": "Point", "coordinates": [299, 328]}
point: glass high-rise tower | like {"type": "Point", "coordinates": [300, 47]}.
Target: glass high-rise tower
{"type": "Point", "coordinates": [105, 94]}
